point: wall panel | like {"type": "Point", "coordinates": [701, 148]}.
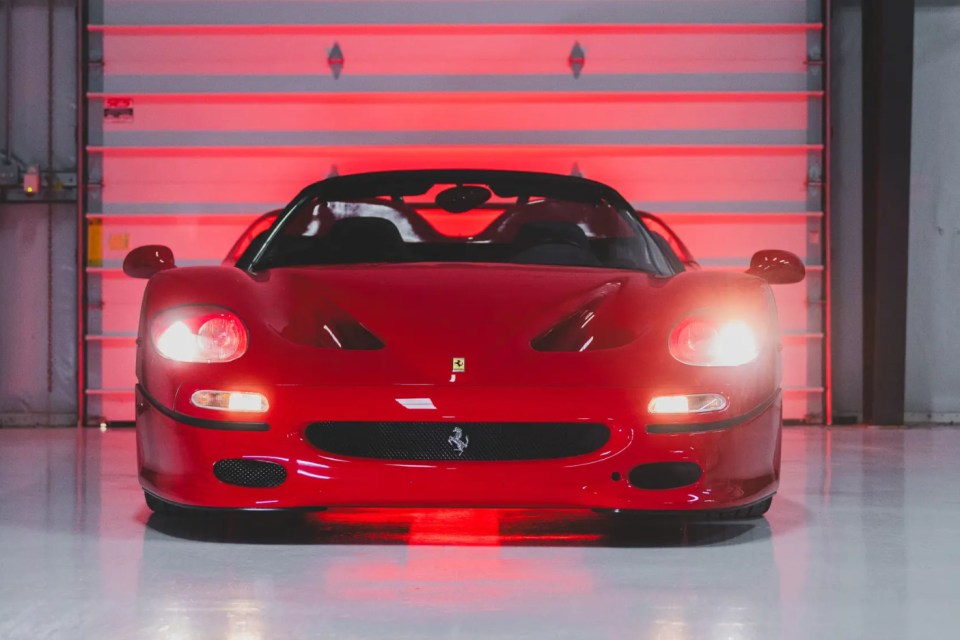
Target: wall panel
{"type": "Point", "coordinates": [706, 112]}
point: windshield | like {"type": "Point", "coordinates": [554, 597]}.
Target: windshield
{"type": "Point", "coordinates": [457, 221]}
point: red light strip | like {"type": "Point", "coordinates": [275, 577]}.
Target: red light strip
{"type": "Point", "coordinates": [827, 289]}
{"type": "Point", "coordinates": [461, 29]}
{"type": "Point", "coordinates": [722, 218]}
{"type": "Point", "coordinates": [152, 217]}
{"type": "Point", "coordinates": [474, 97]}
{"type": "Point", "coordinates": [449, 150]}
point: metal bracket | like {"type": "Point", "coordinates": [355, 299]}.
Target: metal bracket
{"type": "Point", "coordinates": [814, 176]}
{"type": "Point", "coordinates": [578, 57]}
{"type": "Point", "coordinates": [335, 60]}
{"type": "Point", "coordinates": [9, 174]}
{"type": "Point", "coordinates": [59, 180]}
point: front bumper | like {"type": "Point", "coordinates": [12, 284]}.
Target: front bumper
{"type": "Point", "coordinates": [739, 455]}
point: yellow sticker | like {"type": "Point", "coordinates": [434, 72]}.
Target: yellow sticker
{"type": "Point", "coordinates": [118, 241]}
{"type": "Point", "coordinates": [459, 364]}
{"type": "Point", "coordinates": [95, 243]}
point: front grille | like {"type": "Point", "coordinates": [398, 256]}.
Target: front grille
{"type": "Point", "coordinates": [250, 473]}
{"type": "Point", "coordinates": [457, 440]}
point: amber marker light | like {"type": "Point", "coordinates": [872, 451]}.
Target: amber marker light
{"type": "Point", "coordinates": [243, 401]}
{"type": "Point", "coordinates": [686, 404]}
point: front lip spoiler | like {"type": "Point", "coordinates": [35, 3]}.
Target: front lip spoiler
{"type": "Point", "coordinates": [203, 423]}
{"type": "Point", "coordinates": [717, 425]}
{"type": "Point", "coordinates": [231, 510]}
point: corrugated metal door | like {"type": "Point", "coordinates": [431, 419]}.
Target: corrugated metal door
{"type": "Point", "coordinates": [205, 114]}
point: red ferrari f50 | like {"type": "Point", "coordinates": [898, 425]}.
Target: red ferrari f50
{"type": "Point", "coordinates": [459, 338]}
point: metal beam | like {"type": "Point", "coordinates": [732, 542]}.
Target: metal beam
{"type": "Point", "coordinates": [887, 104]}
{"type": "Point", "coordinates": [81, 257]}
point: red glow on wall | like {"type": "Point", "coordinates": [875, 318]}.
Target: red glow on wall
{"type": "Point", "coordinates": [706, 124]}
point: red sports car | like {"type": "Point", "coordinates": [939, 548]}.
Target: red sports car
{"type": "Point", "coordinates": [459, 338]}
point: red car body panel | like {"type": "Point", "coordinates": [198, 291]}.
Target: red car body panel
{"type": "Point", "coordinates": [461, 344]}
{"type": "Point", "coordinates": [488, 315]}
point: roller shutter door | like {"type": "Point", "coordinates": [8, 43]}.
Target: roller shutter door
{"type": "Point", "coordinates": [204, 114]}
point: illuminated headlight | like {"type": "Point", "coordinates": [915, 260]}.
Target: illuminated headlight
{"type": "Point", "coordinates": [696, 403]}
{"type": "Point", "coordinates": [704, 342]}
{"type": "Point", "coordinates": [199, 334]}
{"type": "Point", "coordinates": [230, 401]}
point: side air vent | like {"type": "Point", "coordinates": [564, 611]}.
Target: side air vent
{"type": "Point", "coordinates": [250, 473]}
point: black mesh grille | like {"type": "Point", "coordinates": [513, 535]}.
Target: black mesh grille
{"type": "Point", "coordinates": [665, 475]}
{"type": "Point", "coordinates": [457, 441]}
{"type": "Point", "coordinates": [250, 473]}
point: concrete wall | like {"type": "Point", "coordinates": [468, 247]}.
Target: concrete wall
{"type": "Point", "coordinates": [846, 192]}
{"type": "Point", "coordinates": [933, 318]}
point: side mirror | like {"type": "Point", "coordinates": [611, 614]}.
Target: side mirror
{"type": "Point", "coordinates": [146, 261]}
{"type": "Point", "coordinates": [777, 267]}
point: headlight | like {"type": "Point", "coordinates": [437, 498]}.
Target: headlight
{"type": "Point", "coordinates": [199, 334]}
{"type": "Point", "coordinates": [704, 342]}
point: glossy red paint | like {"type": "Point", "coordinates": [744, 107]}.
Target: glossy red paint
{"type": "Point", "coordinates": [426, 314]}
{"type": "Point", "coordinates": [487, 314]}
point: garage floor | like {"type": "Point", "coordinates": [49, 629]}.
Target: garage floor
{"type": "Point", "coordinates": [862, 542]}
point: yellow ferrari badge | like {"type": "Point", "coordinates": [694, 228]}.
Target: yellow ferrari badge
{"type": "Point", "coordinates": [459, 364]}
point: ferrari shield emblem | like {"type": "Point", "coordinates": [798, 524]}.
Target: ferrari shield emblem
{"type": "Point", "coordinates": [459, 364]}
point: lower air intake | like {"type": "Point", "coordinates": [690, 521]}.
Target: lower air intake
{"type": "Point", "coordinates": [457, 440]}
{"type": "Point", "coordinates": [250, 473]}
{"type": "Point", "coordinates": [665, 475]}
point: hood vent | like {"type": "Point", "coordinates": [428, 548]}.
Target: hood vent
{"type": "Point", "coordinates": [329, 327]}
{"type": "Point", "coordinates": [586, 329]}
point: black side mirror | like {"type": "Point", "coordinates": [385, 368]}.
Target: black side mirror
{"type": "Point", "coordinates": [777, 267]}
{"type": "Point", "coordinates": [146, 261]}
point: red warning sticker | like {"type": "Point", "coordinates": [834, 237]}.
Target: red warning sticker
{"type": "Point", "coordinates": [118, 110]}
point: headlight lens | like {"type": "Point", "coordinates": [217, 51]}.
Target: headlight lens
{"type": "Point", "coordinates": [705, 342]}
{"type": "Point", "coordinates": [199, 334]}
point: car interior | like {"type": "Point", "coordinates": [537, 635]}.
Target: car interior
{"type": "Point", "coordinates": [528, 231]}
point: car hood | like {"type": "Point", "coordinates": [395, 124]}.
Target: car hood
{"type": "Point", "coordinates": [448, 305]}
{"type": "Point", "coordinates": [406, 324]}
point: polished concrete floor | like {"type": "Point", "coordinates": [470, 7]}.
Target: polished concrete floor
{"type": "Point", "coordinates": [863, 541]}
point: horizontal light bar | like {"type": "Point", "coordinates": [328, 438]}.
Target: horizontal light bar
{"type": "Point", "coordinates": [686, 404]}
{"type": "Point", "coordinates": [472, 97]}
{"type": "Point", "coordinates": [419, 150]}
{"type": "Point", "coordinates": [444, 29]}
{"type": "Point", "coordinates": [241, 401]}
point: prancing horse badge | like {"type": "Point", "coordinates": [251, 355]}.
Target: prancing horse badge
{"type": "Point", "coordinates": [459, 365]}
